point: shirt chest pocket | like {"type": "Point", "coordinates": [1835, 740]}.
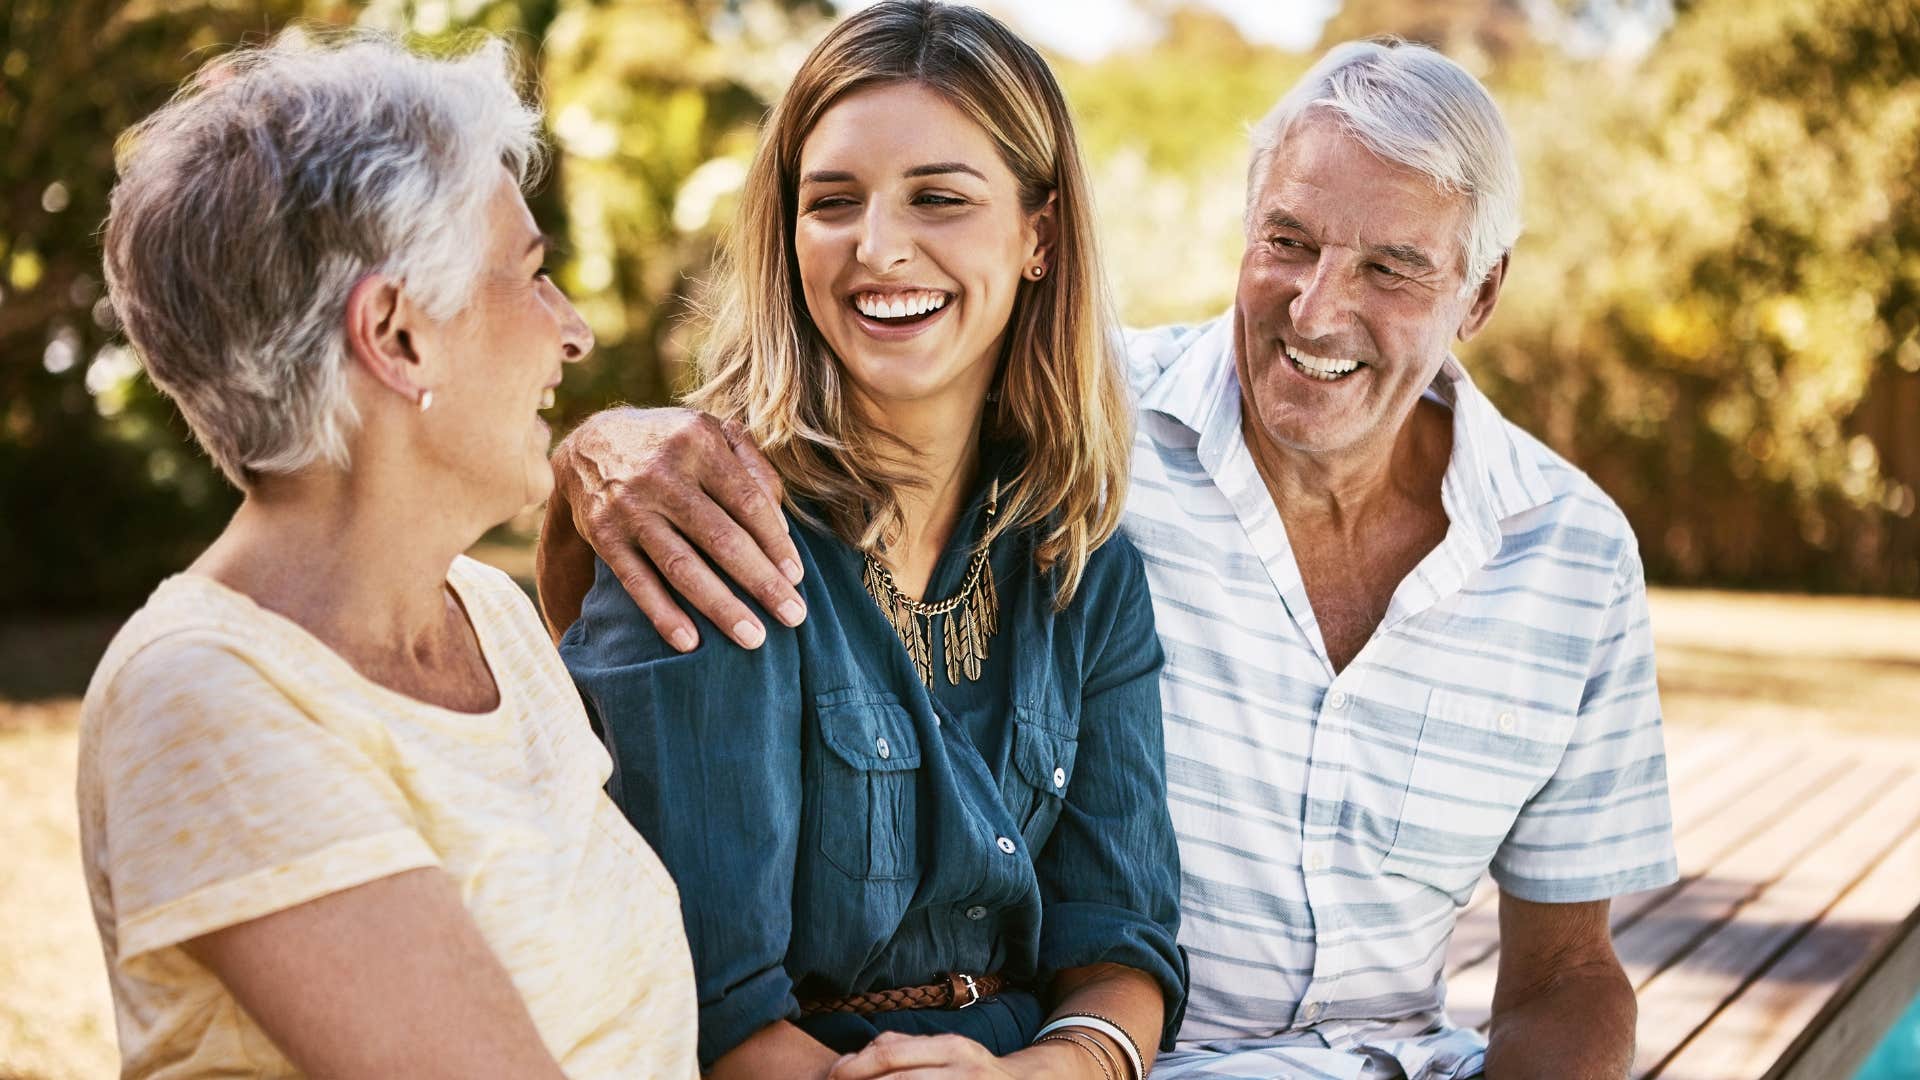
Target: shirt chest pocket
{"type": "Point", "coordinates": [868, 803]}
{"type": "Point", "coordinates": [1043, 758]}
{"type": "Point", "coordinates": [1478, 762]}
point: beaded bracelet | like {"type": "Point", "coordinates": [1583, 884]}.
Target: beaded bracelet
{"type": "Point", "coordinates": [1088, 1045]}
{"type": "Point", "coordinates": [1106, 1027]}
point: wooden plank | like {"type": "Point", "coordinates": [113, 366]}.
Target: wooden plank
{"type": "Point", "coordinates": [1795, 769]}
{"type": "Point", "coordinates": [1688, 914]}
{"type": "Point", "coordinates": [1784, 771]}
{"type": "Point", "coordinates": [1837, 1044]}
{"type": "Point", "coordinates": [1800, 1022]}
{"type": "Point", "coordinates": [1688, 996]}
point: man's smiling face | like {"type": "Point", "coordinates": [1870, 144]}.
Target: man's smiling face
{"type": "Point", "coordinates": [1350, 290]}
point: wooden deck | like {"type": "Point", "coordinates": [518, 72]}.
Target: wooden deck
{"type": "Point", "coordinates": [1791, 941]}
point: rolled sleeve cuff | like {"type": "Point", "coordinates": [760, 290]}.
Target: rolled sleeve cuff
{"type": "Point", "coordinates": [263, 892]}
{"type": "Point", "coordinates": [1581, 889]}
{"type": "Point", "coordinates": [1079, 934]}
{"type": "Point", "coordinates": [764, 998]}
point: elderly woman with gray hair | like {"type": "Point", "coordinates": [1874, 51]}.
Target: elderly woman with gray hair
{"type": "Point", "coordinates": [340, 805]}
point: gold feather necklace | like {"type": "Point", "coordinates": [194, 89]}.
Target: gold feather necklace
{"type": "Point", "coordinates": [969, 617]}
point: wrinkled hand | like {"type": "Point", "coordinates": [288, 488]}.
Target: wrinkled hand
{"type": "Point", "coordinates": [947, 1057]}
{"type": "Point", "coordinates": [650, 490]}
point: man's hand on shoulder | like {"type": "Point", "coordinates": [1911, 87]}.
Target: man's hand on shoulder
{"type": "Point", "coordinates": [653, 491]}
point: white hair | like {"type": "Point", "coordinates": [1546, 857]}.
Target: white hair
{"type": "Point", "coordinates": [279, 177]}
{"type": "Point", "coordinates": [1412, 106]}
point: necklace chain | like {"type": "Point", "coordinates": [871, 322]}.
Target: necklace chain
{"type": "Point", "coordinates": [970, 617]}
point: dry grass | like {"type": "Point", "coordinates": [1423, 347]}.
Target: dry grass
{"type": "Point", "coordinates": [1763, 663]}
{"type": "Point", "coordinates": [56, 1020]}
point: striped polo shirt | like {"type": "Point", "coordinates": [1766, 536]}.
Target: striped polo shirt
{"type": "Point", "coordinates": [1502, 718]}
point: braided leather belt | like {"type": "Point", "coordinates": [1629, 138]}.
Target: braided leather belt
{"type": "Point", "coordinates": [958, 991]}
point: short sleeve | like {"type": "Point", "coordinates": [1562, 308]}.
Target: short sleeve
{"type": "Point", "coordinates": [1601, 825]}
{"type": "Point", "coordinates": [224, 801]}
{"type": "Point", "coordinates": [1110, 871]}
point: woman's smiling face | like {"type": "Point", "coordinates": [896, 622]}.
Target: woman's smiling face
{"type": "Point", "coordinates": [912, 244]}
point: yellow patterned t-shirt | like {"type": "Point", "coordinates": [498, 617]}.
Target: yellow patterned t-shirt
{"type": "Point", "coordinates": [232, 766]}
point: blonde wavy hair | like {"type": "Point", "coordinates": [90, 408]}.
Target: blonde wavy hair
{"type": "Point", "coordinates": [1060, 401]}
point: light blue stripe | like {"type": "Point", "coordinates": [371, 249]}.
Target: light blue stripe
{"type": "Point", "coordinates": [1524, 606]}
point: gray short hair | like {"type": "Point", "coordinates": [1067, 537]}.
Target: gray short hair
{"type": "Point", "coordinates": [1414, 107]}
{"type": "Point", "coordinates": [249, 207]}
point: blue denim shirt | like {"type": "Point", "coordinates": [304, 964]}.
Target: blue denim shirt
{"type": "Point", "coordinates": [835, 828]}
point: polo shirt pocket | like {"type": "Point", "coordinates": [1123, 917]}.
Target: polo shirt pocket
{"type": "Point", "coordinates": [1478, 762]}
{"type": "Point", "coordinates": [869, 801]}
{"type": "Point", "coordinates": [1043, 760]}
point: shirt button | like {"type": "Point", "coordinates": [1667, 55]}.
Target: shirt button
{"type": "Point", "coordinates": [1006, 845]}
{"type": "Point", "coordinates": [1506, 722]}
{"type": "Point", "coordinates": [1337, 699]}
{"type": "Point", "coordinates": [1059, 778]}
{"type": "Point", "coordinates": [885, 750]}
{"type": "Point", "coordinates": [976, 913]}
{"type": "Point", "coordinates": [1316, 862]}
{"type": "Point", "coordinates": [1312, 1012]}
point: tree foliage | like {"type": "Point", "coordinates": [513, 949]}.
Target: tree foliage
{"type": "Point", "coordinates": [101, 491]}
{"type": "Point", "coordinates": [1713, 310]}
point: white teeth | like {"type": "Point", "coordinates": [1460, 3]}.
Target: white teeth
{"type": "Point", "coordinates": [1321, 367]}
{"type": "Point", "coordinates": [900, 305]}
{"type": "Point", "coordinates": [546, 398]}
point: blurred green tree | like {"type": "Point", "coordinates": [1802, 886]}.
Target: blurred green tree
{"type": "Point", "coordinates": [101, 491]}
{"type": "Point", "coordinates": [98, 493]}
{"type": "Point", "coordinates": [1715, 312]}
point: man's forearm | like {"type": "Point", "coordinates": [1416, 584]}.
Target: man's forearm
{"type": "Point", "coordinates": [1579, 1025]}
{"type": "Point", "coordinates": [563, 566]}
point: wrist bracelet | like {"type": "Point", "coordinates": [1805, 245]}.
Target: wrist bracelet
{"type": "Point", "coordinates": [1067, 1037]}
{"type": "Point", "coordinates": [1094, 1045]}
{"type": "Point", "coordinates": [1105, 1027]}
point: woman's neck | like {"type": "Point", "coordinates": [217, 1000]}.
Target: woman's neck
{"type": "Point", "coordinates": [946, 445]}
{"type": "Point", "coordinates": [357, 559]}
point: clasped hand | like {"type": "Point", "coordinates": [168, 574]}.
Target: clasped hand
{"type": "Point", "coordinates": [951, 1057]}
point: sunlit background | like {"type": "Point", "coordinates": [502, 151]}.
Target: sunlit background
{"type": "Point", "coordinates": [1715, 309]}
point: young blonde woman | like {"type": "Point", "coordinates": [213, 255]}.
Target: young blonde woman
{"type": "Point", "coordinates": [926, 828]}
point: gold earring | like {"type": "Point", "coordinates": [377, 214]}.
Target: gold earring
{"type": "Point", "coordinates": [1037, 272]}
{"type": "Point", "coordinates": [426, 400]}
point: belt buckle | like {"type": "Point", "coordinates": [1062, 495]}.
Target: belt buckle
{"type": "Point", "coordinates": [973, 989]}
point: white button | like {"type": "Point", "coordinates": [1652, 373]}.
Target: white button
{"type": "Point", "coordinates": [1312, 1012]}
{"type": "Point", "coordinates": [976, 913]}
{"type": "Point", "coordinates": [1337, 699]}
{"type": "Point", "coordinates": [1506, 721]}
{"type": "Point", "coordinates": [1006, 845]}
{"type": "Point", "coordinates": [886, 751]}
{"type": "Point", "coordinates": [1316, 862]}
{"type": "Point", "coordinates": [1059, 778]}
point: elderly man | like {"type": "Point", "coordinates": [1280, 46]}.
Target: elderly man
{"type": "Point", "coordinates": [1406, 644]}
